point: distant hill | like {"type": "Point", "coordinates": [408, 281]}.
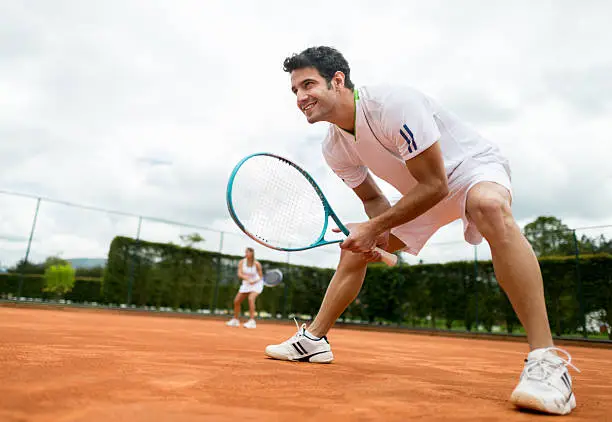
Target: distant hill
{"type": "Point", "coordinates": [87, 262]}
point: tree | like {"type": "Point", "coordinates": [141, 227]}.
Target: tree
{"type": "Point", "coordinates": [29, 267]}
{"type": "Point", "coordinates": [604, 245]}
{"type": "Point", "coordinates": [190, 240]}
{"type": "Point", "coordinates": [59, 279]}
{"type": "Point", "coordinates": [54, 260]}
{"type": "Point", "coordinates": [549, 236]}
{"type": "Point", "coordinates": [23, 267]}
{"type": "Point", "coordinates": [595, 245]}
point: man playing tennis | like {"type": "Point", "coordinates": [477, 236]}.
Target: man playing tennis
{"type": "Point", "coordinates": [445, 171]}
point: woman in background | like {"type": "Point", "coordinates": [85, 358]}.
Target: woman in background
{"type": "Point", "coordinates": [251, 274]}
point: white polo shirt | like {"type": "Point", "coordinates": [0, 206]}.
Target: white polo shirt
{"type": "Point", "coordinates": [394, 124]}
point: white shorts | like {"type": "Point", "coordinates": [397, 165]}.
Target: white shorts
{"type": "Point", "coordinates": [417, 232]}
{"type": "Point", "coordinates": [250, 288]}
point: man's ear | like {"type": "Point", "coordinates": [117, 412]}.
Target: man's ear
{"type": "Point", "coordinates": [339, 79]}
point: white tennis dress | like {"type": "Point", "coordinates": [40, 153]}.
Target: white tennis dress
{"type": "Point", "coordinates": [251, 273]}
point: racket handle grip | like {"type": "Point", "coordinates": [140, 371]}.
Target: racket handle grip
{"type": "Point", "coordinates": [387, 257]}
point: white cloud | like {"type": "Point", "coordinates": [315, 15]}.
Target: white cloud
{"type": "Point", "coordinates": [146, 106]}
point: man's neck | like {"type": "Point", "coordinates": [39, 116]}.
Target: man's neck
{"type": "Point", "coordinates": [345, 112]}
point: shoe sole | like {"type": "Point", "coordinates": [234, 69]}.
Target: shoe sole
{"type": "Point", "coordinates": [527, 401]}
{"type": "Point", "coordinates": [325, 357]}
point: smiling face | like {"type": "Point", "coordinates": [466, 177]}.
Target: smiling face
{"type": "Point", "coordinates": [315, 97]}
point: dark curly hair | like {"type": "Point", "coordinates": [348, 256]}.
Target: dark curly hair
{"type": "Point", "coordinates": [326, 60]}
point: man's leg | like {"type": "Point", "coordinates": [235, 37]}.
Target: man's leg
{"type": "Point", "coordinates": [545, 384]}
{"type": "Point", "coordinates": [515, 264]}
{"type": "Point", "coordinates": [311, 345]}
{"type": "Point", "coordinates": [344, 288]}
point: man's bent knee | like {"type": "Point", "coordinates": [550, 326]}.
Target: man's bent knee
{"type": "Point", "coordinates": [489, 208]}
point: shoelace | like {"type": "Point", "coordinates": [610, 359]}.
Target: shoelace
{"type": "Point", "coordinates": [299, 334]}
{"type": "Point", "coordinates": [540, 369]}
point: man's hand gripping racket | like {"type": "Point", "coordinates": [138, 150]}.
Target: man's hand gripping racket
{"type": "Point", "coordinates": [278, 204]}
{"type": "Point", "coordinates": [362, 240]}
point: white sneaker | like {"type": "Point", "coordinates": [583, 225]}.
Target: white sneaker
{"type": "Point", "coordinates": [233, 323]}
{"type": "Point", "coordinates": [250, 324]}
{"type": "Point", "coordinates": [545, 384]}
{"type": "Point", "coordinates": [302, 348]}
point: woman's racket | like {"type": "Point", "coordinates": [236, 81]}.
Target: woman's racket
{"type": "Point", "coordinates": [279, 205]}
{"type": "Point", "coordinates": [273, 278]}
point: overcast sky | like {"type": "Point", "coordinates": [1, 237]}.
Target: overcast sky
{"type": "Point", "coordinates": [146, 106]}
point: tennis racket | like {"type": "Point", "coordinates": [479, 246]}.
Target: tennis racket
{"type": "Point", "coordinates": [273, 278]}
{"type": "Point", "coordinates": [279, 205]}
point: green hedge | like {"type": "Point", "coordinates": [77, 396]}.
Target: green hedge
{"type": "Point", "coordinates": [32, 285]}
{"type": "Point", "coordinates": [437, 295]}
{"type": "Point", "coordinates": [451, 295]}
{"type": "Point", "coordinates": [84, 290]}
{"type": "Point", "coordinates": [159, 274]}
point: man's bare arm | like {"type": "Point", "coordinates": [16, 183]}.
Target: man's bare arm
{"type": "Point", "coordinates": [374, 202]}
{"type": "Point", "coordinates": [428, 169]}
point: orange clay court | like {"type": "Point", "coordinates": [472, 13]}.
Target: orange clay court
{"type": "Point", "coordinates": [69, 365]}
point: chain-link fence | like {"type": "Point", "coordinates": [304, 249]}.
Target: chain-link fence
{"type": "Point", "coordinates": [455, 288]}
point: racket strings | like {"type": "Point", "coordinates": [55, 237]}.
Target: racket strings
{"type": "Point", "coordinates": [273, 277]}
{"type": "Point", "coordinates": [277, 204]}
